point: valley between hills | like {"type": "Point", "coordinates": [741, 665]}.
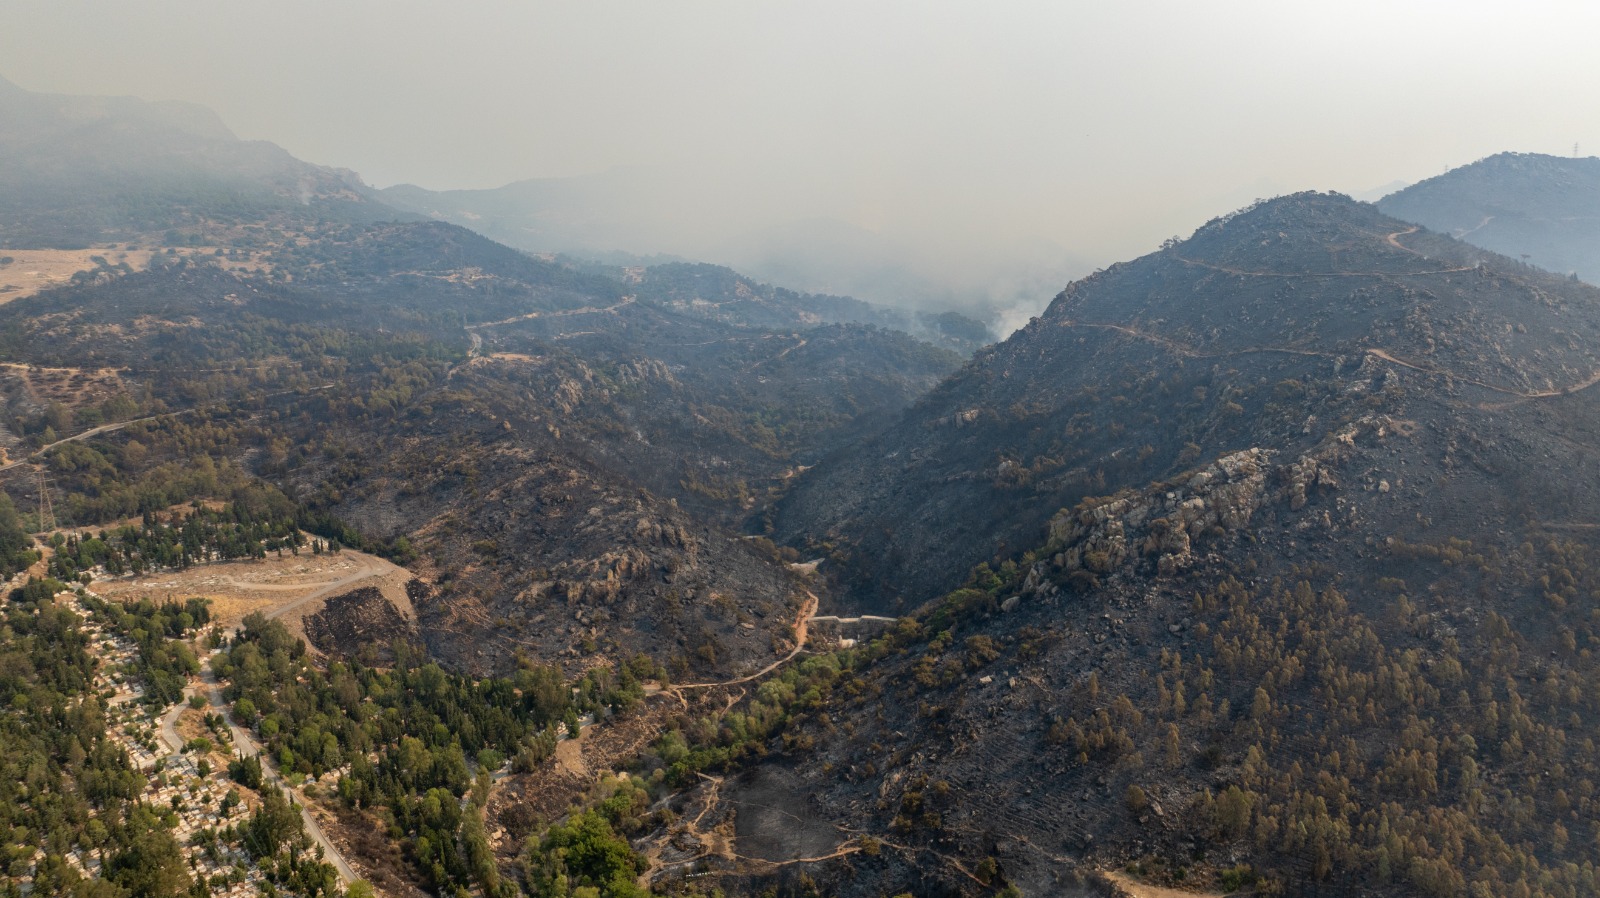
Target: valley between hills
{"type": "Point", "coordinates": [350, 552]}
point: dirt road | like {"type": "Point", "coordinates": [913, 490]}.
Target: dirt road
{"type": "Point", "coordinates": [1390, 239]}
{"type": "Point", "coordinates": [247, 746]}
{"type": "Point", "coordinates": [108, 428]}
{"type": "Point", "coordinates": [367, 569]}
{"type": "Point", "coordinates": [91, 432]}
{"type": "Point", "coordinates": [801, 627]}
{"type": "Point", "coordinates": [559, 313]}
{"type": "Point", "coordinates": [1190, 352]}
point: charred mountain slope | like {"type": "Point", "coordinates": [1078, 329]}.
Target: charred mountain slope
{"type": "Point", "coordinates": [1544, 209]}
{"type": "Point", "coordinates": [1346, 640]}
{"type": "Point", "coordinates": [719, 415]}
{"type": "Point", "coordinates": [1243, 335]}
{"type": "Point", "coordinates": [572, 464]}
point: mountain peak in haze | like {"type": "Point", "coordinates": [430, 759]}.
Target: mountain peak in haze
{"type": "Point", "coordinates": [1540, 208]}
{"type": "Point", "coordinates": [76, 170]}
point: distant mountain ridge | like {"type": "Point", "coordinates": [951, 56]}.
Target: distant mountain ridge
{"type": "Point", "coordinates": [76, 170]}
{"type": "Point", "coordinates": [1542, 209]}
{"type": "Point", "coordinates": [642, 211]}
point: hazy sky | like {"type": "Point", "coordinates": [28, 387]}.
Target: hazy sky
{"type": "Point", "coordinates": [1101, 126]}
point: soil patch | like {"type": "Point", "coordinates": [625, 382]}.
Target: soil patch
{"type": "Point", "coordinates": [32, 270]}
{"type": "Point", "coordinates": [360, 619]}
{"type": "Point", "coordinates": [288, 588]}
{"type": "Point", "coordinates": [774, 820]}
{"type": "Point", "coordinates": [1126, 885]}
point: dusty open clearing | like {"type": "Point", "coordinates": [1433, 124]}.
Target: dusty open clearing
{"type": "Point", "coordinates": [32, 270]}
{"type": "Point", "coordinates": [288, 588]}
{"type": "Point", "coordinates": [1136, 889]}
{"type": "Point", "coordinates": [72, 387]}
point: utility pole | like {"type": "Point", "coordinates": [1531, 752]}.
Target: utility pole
{"type": "Point", "coordinates": [47, 511]}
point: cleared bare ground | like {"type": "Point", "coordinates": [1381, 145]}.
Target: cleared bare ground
{"type": "Point", "coordinates": [288, 588]}
{"type": "Point", "coordinates": [1133, 888]}
{"type": "Point", "coordinates": [72, 387]}
{"type": "Point", "coordinates": [774, 821]}
{"type": "Point", "coordinates": [32, 270]}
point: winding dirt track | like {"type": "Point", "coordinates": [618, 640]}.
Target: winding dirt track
{"type": "Point", "coordinates": [91, 432]}
{"type": "Point", "coordinates": [1382, 354]}
{"type": "Point", "coordinates": [1391, 239]}
{"type": "Point", "coordinates": [367, 570]}
{"type": "Point", "coordinates": [1394, 240]}
{"type": "Point", "coordinates": [560, 313]}
{"type": "Point", "coordinates": [802, 626]}
{"type": "Point", "coordinates": [108, 428]}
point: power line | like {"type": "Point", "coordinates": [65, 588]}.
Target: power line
{"type": "Point", "coordinates": [47, 511]}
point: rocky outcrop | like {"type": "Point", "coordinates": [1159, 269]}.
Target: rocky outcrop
{"type": "Point", "coordinates": [1160, 530]}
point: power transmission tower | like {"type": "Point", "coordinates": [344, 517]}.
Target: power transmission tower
{"type": "Point", "coordinates": [47, 511]}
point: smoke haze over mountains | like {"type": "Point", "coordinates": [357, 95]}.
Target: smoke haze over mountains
{"type": "Point", "coordinates": [936, 154]}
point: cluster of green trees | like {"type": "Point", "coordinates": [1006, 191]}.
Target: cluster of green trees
{"type": "Point", "coordinates": [42, 426]}
{"type": "Point", "coordinates": [274, 836]}
{"type": "Point", "coordinates": [147, 468]}
{"type": "Point", "coordinates": [588, 853]}
{"type": "Point", "coordinates": [409, 743]}
{"type": "Point", "coordinates": [258, 521]}
{"type": "Point", "coordinates": [16, 546]}
{"type": "Point", "coordinates": [795, 693]}
{"type": "Point", "coordinates": [1392, 739]}
{"type": "Point", "coordinates": [276, 839]}
{"type": "Point", "coordinates": [164, 661]}
{"type": "Point", "coordinates": [65, 787]}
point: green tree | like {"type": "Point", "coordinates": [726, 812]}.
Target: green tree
{"type": "Point", "coordinates": [151, 865]}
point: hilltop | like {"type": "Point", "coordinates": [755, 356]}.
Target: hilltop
{"type": "Point", "coordinates": [1262, 555]}
{"type": "Point", "coordinates": [78, 170]}
{"type": "Point", "coordinates": [1542, 209]}
{"type": "Point", "coordinates": [1142, 370]}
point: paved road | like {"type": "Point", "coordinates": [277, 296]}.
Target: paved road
{"type": "Point", "coordinates": [245, 745]}
{"type": "Point", "coordinates": [169, 725]}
